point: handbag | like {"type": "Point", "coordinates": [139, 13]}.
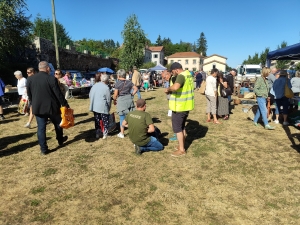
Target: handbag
{"type": "Point", "coordinates": [226, 92]}
{"type": "Point", "coordinates": [202, 87]}
{"type": "Point", "coordinates": [23, 104]}
{"type": "Point", "coordinates": [287, 91]}
{"type": "Point", "coordinates": [67, 117]}
{"type": "Point", "coordinates": [111, 123]}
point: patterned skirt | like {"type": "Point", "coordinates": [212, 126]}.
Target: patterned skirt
{"type": "Point", "coordinates": [222, 106]}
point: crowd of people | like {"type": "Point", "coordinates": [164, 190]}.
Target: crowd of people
{"type": "Point", "coordinates": [47, 94]}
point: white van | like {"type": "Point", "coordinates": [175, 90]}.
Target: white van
{"type": "Point", "coordinates": [248, 72]}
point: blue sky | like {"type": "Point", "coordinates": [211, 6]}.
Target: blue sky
{"type": "Point", "coordinates": [233, 28]}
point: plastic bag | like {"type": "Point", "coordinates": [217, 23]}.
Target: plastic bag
{"type": "Point", "coordinates": [23, 105]}
{"type": "Point", "coordinates": [67, 117]}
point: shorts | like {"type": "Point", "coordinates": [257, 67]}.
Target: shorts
{"type": "Point", "coordinates": [178, 121]}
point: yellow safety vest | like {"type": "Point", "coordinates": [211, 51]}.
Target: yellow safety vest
{"type": "Point", "coordinates": [183, 99]}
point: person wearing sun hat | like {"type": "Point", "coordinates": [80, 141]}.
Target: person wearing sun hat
{"type": "Point", "coordinates": [141, 129]}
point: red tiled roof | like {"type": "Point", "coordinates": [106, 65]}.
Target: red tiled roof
{"type": "Point", "coordinates": [156, 48]}
{"type": "Point", "coordinates": [185, 55]}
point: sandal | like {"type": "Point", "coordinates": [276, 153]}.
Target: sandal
{"type": "Point", "coordinates": [217, 122]}
{"type": "Point", "coordinates": [226, 117]}
{"type": "Point", "coordinates": [208, 121]}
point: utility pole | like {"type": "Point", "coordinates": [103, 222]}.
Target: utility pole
{"type": "Point", "coordinates": [55, 34]}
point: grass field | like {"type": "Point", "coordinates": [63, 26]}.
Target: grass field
{"type": "Point", "coordinates": [234, 173]}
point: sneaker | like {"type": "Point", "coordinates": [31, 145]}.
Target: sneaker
{"type": "Point", "coordinates": [120, 135]}
{"type": "Point", "coordinates": [255, 124]}
{"type": "Point", "coordinates": [174, 138]}
{"type": "Point", "coordinates": [2, 118]}
{"type": "Point", "coordinates": [178, 153]}
{"type": "Point", "coordinates": [27, 125]}
{"type": "Point", "coordinates": [138, 150]}
{"type": "Point", "coordinates": [268, 127]}
{"type": "Point", "coordinates": [65, 138]}
{"type": "Point", "coordinates": [285, 123]}
{"type": "Point", "coordinates": [104, 136]}
{"type": "Point", "coordinates": [276, 121]}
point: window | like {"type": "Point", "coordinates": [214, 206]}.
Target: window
{"type": "Point", "coordinates": [194, 69]}
{"type": "Point", "coordinates": [194, 61]}
{"type": "Point", "coordinates": [186, 61]}
{"type": "Point", "coordinates": [186, 68]}
{"type": "Point", "coordinates": [155, 56]}
{"type": "Point", "coordinates": [172, 61]}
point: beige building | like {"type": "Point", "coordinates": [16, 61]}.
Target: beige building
{"type": "Point", "coordinates": [189, 60]}
{"type": "Point", "coordinates": [154, 54]}
{"type": "Point", "coordinates": [214, 61]}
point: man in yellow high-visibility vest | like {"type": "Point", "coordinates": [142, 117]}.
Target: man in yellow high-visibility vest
{"type": "Point", "coordinates": [181, 101]}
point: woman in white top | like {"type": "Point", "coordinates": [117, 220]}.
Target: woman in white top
{"type": "Point", "coordinates": [146, 77]}
{"type": "Point", "coordinates": [211, 95]}
{"type": "Point", "coordinates": [21, 83]}
{"type": "Point", "coordinates": [295, 81]}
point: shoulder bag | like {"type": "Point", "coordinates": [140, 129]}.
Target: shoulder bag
{"type": "Point", "coordinates": [287, 91]}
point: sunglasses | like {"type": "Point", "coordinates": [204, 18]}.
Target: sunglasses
{"type": "Point", "coordinates": [57, 73]}
{"type": "Point", "coordinates": [29, 72]}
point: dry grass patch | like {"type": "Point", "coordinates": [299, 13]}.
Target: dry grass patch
{"type": "Point", "coordinates": [234, 173]}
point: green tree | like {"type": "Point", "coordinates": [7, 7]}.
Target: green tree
{"type": "Point", "coordinates": [44, 28]}
{"type": "Point", "coordinates": [282, 64]}
{"type": "Point", "coordinates": [134, 39]}
{"type": "Point", "coordinates": [202, 44]}
{"type": "Point", "coordinates": [14, 28]}
{"type": "Point", "coordinates": [159, 41]}
{"type": "Point", "coordinates": [148, 65]}
{"type": "Point", "coordinates": [263, 56]}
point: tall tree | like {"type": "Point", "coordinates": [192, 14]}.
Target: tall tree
{"type": "Point", "coordinates": [134, 39]}
{"type": "Point", "coordinates": [202, 44]}
{"type": "Point", "coordinates": [263, 56]}
{"type": "Point", "coordinates": [159, 41]}
{"type": "Point", "coordinates": [44, 28]}
{"type": "Point", "coordinates": [14, 27]}
{"type": "Point", "coordinates": [282, 64]}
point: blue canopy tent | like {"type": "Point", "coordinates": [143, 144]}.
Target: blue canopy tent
{"type": "Point", "coordinates": [288, 53]}
{"type": "Point", "coordinates": [158, 67]}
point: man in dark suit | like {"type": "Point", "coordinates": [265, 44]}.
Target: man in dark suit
{"type": "Point", "coordinates": [46, 98]}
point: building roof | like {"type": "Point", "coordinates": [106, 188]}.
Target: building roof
{"type": "Point", "coordinates": [185, 55]}
{"type": "Point", "coordinates": [156, 48]}
{"type": "Point", "coordinates": [213, 61]}
{"type": "Point", "coordinates": [215, 55]}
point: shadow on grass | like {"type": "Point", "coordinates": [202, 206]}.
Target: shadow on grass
{"type": "Point", "coordinates": [84, 121]}
{"type": "Point", "coordinates": [80, 114]}
{"type": "Point", "coordinates": [8, 120]}
{"type": "Point", "coordinates": [156, 120]}
{"type": "Point", "coordinates": [291, 138]}
{"type": "Point", "coordinates": [194, 131]}
{"type": "Point", "coordinates": [19, 148]}
{"type": "Point", "coordinates": [148, 99]}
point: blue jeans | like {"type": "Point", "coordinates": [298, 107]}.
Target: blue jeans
{"type": "Point", "coordinates": [138, 92]}
{"type": "Point", "coordinates": [122, 118]}
{"type": "Point", "coordinates": [41, 132]}
{"type": "Point", "coordinates": [152, 145]}
{"type": "Point", "coordinates": [262, 110]}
